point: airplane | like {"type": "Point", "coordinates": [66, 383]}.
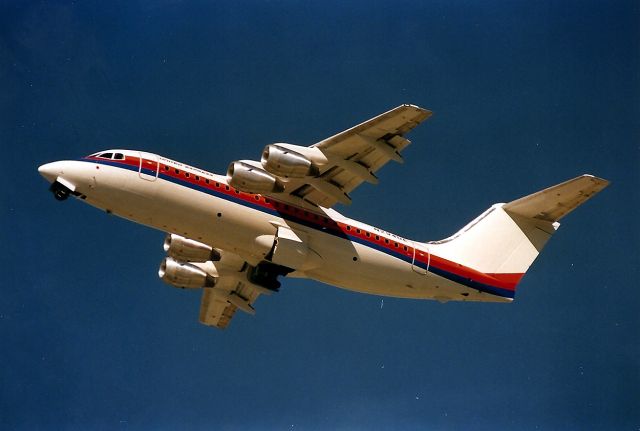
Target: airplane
{"type": "Point", "coordinates": [235, 235]}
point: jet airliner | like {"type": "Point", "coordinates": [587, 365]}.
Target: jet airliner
{"type": "Point", "coordinates": [235, 236]}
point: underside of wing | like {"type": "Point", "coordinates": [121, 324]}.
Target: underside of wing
{"type": "Point", "coordinates": [219, 303]}
{"type": "Point", "coordinates": [227, 280]}
{"type": "Point", "coordinates": [215, 311]}
{"type": "Point", "coordinates": [325, 173]}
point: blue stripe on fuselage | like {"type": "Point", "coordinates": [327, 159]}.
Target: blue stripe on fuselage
{"type": "Point", "coordinates": [308, 223]}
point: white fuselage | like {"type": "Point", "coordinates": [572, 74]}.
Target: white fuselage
{"type": "Point", "coordinates": [176, 198]}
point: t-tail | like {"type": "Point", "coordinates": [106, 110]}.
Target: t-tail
{"type": "Point", "coordinates": [503, 242]}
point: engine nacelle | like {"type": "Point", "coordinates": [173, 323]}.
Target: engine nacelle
{"type": "Point", "coordinates": [287, 163]}
{"type": "Point", "coordinates": [182, 274]}
{"type": "Point", "coordinates": [188, 250]}
{"type": "Point", "coordinates": [252, 179]}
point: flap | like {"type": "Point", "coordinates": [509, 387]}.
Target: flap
{"type": "Point", "coordinates": [219, 303]}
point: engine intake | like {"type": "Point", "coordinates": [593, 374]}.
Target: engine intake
{"type": "Point", "coordinates": [182, 274]}
{"type": "Point", "coordinates": [287, 163]}
{"type": "Point", "coordinates": [251, 179]}
{"type": "Point", "coordinates": [188, 250]}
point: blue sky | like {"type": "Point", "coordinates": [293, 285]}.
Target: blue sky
{"type": "Point", "coordinates": [524, 94]}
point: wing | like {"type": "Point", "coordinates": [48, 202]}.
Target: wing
{"type": "Point", "coordinates": [214, 311]}
{"type": "Point", "coordinates": [219, 303]}
{"type": "Point", "coordinates": [369, 145]}
{"type": "Point", "coordinates": [335, 166]}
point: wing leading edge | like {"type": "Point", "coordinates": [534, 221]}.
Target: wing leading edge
{"type": "Point", "coordinates": [338, 164]}
{"type": "Point", "coordinates": [371, 144]}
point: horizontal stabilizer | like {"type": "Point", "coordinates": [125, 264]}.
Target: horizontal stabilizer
{"type": "Point", "coordinates": [504, 241]}
{"type": "Point", "coordinates": [556, 202]}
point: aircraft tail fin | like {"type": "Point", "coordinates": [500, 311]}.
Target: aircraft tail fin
{"type": "Point", "coordinates": [504, 241]}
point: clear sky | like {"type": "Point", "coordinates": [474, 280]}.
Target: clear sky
{"type": "Point", "coordinates": [525, 95]}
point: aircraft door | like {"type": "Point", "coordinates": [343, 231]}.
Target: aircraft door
{"type": "Point", "coordinates": [149, 166]}
{"type": "Point", "coordinates": [421, 260]}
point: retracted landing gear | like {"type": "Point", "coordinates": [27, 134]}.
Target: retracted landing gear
{"type": "Point", "coordinates": [266, 274]}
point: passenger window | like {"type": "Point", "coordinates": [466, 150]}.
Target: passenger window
{"type": "Point", "coordinates": [358, 231]}
{"type": "Point", "coordinates": [377, 238]}
{"type": "Point", "coordinates": [177, 171]}
{"type": "Point", "coordinates": [187, 174]}
{"type": "Point", "coordinates": [368, 234]}
{"type": "Point", "coordinates": [197, 178]}
{"type": "Point", "coordinates": [166, 168]}
{"type": "Point", "coordinates": [348, 227]}
{"type": "Point", "coordinates": [206, 180]}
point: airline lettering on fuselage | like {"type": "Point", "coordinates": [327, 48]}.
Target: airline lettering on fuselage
{"type": "Point", "coordinates": [384, 232]}
{"type": "Point", "coordinates": [185, 167]}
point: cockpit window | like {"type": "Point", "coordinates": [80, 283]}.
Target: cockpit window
{"type": "Point", "coordinates": [106, 155]}
{"type": "Point", "coordinates": [118, 156]}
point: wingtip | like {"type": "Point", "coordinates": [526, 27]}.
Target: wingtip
{"type": "Point", "coordinates": [597, 179]}
{"type": "Point", "coordinates": [427, 112]}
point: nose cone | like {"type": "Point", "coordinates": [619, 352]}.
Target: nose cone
{"type": "Point", "coordinates": [51, 171]}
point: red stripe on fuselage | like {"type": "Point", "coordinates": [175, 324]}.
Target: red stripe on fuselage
{"type": "Point", "coordinates": [322, 221]}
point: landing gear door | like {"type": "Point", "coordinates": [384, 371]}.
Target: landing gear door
{"type": "Point", "coordinates": [290, 249]}
{"type": "Point", "coordinates": [421, 260]}
{"type": "Point", "coordinates": [149, 166]}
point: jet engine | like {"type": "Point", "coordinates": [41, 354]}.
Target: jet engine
{"type": "Point", "coordinates": [188, 250]}
{"type": "Point", "coordinates": [182, 274]}
{"type": "Point", "coordinates": [287, 163]}
{"type": "Point", "coordinates": [252, 179]}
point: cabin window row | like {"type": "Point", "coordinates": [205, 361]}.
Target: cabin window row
{"type": "Point", "coordinates": [377, 238]}
{"type": "Point", "coordinates": [256, 197]}
{"type": "Point", "coordinates": [293, 209]}
{"type": "Point", "coordinates": [188, 175]}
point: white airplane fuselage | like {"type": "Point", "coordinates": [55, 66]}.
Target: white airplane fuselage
{"type": "Point", "coordinates": [187, 201]}
{"type": "Point", "coordinates": [234, 236]}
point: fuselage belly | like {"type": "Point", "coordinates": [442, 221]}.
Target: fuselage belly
{"type": "Point", "coordinates": [171, 207]}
